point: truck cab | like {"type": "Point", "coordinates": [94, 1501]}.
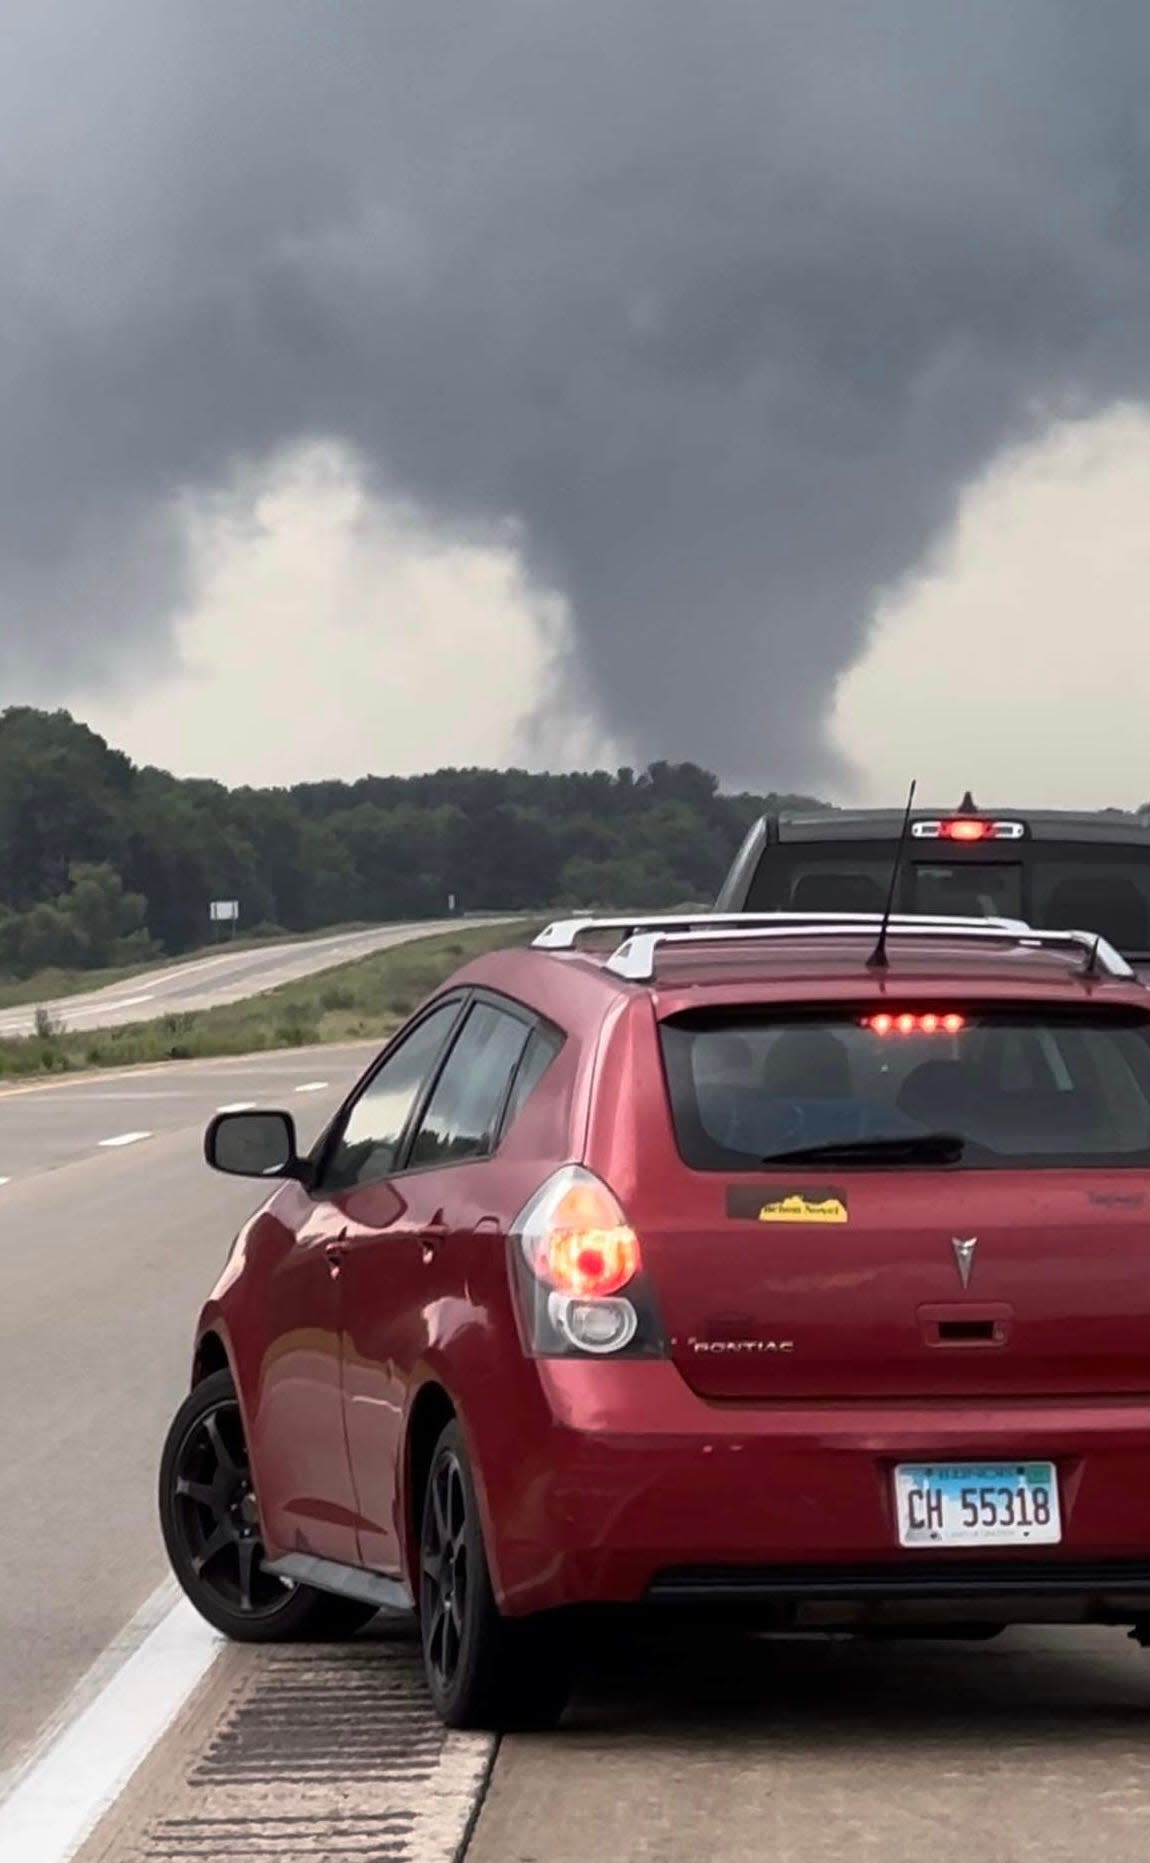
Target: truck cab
{"type": "Point", "coordinates": [1049, 867]}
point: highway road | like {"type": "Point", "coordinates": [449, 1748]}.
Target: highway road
{"type": "Point", "coordinates": [224, 977]}
{"type": "Point", "coordinates": [111, 1230]}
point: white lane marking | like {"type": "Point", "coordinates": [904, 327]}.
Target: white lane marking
{"type": "Point", "coordinates": [5, 1180]}
{"type": "Point", "coordinates": [238, 1106]}
{"type": "Point", "coordinates": [69, 1784]}
{"type": "Point", "coordinates": [111, 1659]}
{"type": "Point", "coordinates": [312, 1086]}
{"type": "Point", "coordinates": [124, 1138]}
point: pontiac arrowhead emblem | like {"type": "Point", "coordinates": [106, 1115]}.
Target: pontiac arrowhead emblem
{"type": "Point", "coordinates": [964, 1257]}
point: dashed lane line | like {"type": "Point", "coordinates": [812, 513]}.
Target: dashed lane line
{"type": "Point", "coordinates": [313, 1086]}
{"type": "Point", "coordinates": [123, 1138]}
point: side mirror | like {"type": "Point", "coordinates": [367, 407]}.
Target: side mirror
{"type": "Point", "coordinates": [254, 1145]}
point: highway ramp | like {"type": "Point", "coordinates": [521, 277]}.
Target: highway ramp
{"type": "Point", "coordinates": [224, 977]}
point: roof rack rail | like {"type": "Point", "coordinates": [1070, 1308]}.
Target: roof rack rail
{"type": "Point", "coordinates": [564, 934]}
{"type": "Point", "coordinates": [634, 958]}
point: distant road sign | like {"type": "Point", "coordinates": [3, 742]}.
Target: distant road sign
{"type": "Point", "coordinates": [224, 911]}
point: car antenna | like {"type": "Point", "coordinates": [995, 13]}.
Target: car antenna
{"type": "Point", "coordinates": [878, 959]}
{"type": "Point", "coordinates": [968, 805]}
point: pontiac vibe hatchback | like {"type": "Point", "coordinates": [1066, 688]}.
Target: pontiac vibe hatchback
{"type": "Point", "coordinates": [716, 1269]}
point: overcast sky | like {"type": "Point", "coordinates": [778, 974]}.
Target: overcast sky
{"type": "Point", "coordinates": [388, 385]}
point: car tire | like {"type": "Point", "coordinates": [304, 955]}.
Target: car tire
{"type": "Point", "coordinates": [210, 1524]}
{"type": "Point", "coordinates": [484, 1670]}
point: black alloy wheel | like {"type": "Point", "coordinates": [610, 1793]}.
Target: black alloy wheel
{"type": "Point", "coordinates": [483, 1670]}
{"type": "Point", "coordinates": [443, 1571]}
{"type": "Point", "coordinates": [210, 1522]}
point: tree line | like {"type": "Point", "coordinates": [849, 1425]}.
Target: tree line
{"type": "Point", "coordinates": [105, 863]}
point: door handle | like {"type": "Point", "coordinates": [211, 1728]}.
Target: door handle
{"type": "Point", "coordinates": [432, 1235]}
{"type": "Point", "coordinates": [335, 1253]}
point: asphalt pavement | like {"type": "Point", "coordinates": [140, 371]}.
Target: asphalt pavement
{"type": "Point", "coordinates": [816, 1750]}
{"type": "Point", "coordinates": [224, 977]}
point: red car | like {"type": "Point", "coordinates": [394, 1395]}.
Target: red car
{"type": "Point", "coordinates": [725, 1269]}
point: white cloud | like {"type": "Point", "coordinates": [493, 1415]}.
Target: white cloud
{"type": "Point", "coordinates": [1019, 664]}
{"type": "Point", "coordinates": [332, 636]}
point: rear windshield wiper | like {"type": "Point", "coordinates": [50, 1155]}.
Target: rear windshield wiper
{"type": "Point", "coordinates": [913, 1148]}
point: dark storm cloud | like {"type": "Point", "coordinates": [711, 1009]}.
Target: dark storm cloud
{"type": "Point", "coordinates": [721, 304]}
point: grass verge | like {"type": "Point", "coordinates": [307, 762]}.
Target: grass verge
{"type": "Point", "coordinates": [362, 1001]}
{"type": "Point", "coordinates": [49, 986]}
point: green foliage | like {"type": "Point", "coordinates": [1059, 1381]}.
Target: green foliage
{"type": "Point", "coordinates": [94, 923]}
{"type": "Point", "coordinates": [46, 936]}
{"type": "Point", "coordinates": [102, 864]}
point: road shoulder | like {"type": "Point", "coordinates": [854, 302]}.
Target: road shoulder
{"type": "Point", "coordinates": [303, 1751]}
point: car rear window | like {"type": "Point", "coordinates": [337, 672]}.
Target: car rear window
{"type": "Point", "coordinates": [1015, 1087]}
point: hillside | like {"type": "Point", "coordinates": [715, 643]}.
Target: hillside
{"type": "Point", "coordinates": [103, 863]}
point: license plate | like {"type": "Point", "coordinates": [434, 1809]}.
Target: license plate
{"type": "Point", "coordinates": [977, 1504]}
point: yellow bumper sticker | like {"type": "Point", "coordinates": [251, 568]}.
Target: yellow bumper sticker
{"type": "Point", "coordinates": [799, 1209]}
{"type": "Point", "coordinates": [788, 1203]}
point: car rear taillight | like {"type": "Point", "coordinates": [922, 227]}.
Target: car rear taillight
{"type": "Point", "coordinates": [584, 1245]}
{"type": "Point", "coordinates": [578, 1270]}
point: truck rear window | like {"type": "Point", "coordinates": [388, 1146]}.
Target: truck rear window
{"type": "Point", "coordinates": [1069, 888]}
{"type": "Point", "coordinates": [1012, 1087]}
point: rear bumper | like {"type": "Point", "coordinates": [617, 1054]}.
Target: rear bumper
{"type": "Point", "coordinates": [639, 1491]}
{"type": "Point", "coordinates": [953, 1579]}
{"type": "Point", "coordinates": [914, 1595]}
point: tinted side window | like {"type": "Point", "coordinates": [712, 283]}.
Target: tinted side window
{"type": "Point", "coordinates": [541, 1051]}
{"type": "Point", "coordinates": [463, 1113]}
{"type": "Point", "coordinates": [369, 1143]}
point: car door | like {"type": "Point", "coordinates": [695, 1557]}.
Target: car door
{"type": "Point", "coordinates": [298, 1434]}
{"type": "Point", "coordinates": [354, 1163]}
{"type": "Point", "coordinates": [289, 1371]}
{"type": "Point", "coordinates": [402, 1277]}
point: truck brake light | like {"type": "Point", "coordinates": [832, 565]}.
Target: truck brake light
{"type": "Point", "coordinates": [967, 828]}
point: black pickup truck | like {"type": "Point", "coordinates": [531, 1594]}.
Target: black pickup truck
{"type": "Point", "coordinates": [1053, 868]}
